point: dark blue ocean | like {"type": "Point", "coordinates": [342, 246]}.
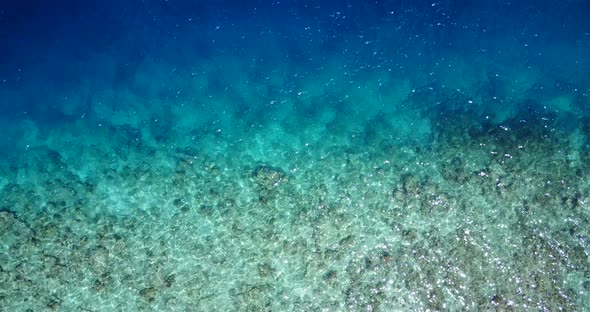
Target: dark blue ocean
{"type": "Point", "coordinates": [383, 155]}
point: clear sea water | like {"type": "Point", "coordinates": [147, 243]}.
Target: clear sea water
{"type": "Point", "coordinates": [383, 155]}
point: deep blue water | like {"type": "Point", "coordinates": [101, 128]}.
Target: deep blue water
{"type": "Point", "coordinates": [312, 155]}
{"type": "Point", "coordinates": [66, 43]}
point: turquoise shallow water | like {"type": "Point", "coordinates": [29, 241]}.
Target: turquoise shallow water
{"type": "Point", "coordinates": [294, 156]}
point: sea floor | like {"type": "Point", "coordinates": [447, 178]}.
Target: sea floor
{"type": "Point", "coordinates": [288, 216]}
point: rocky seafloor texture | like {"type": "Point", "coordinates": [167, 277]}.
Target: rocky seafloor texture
{"type": "Point", "coordinates": [484, 216]}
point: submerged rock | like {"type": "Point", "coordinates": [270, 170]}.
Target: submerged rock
{"type": "Point", "coordinates": [268, 177]}
{"type": "Point", "coordinates": [148, 293]}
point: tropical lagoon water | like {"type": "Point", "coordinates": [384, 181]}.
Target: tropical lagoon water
{"type": "Point", "coordinates": [382, 155]}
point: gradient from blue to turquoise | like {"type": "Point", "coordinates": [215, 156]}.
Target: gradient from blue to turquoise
{"type": "Point", "coordinates": [294, 155]}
